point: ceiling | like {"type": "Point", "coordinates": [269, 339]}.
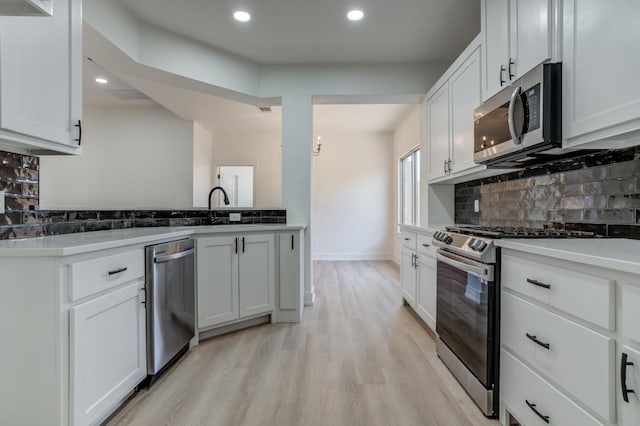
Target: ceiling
{"type": "Point", "coordinates": [316, 31]}
{"type": "Point", "coordinates": [300, 31]}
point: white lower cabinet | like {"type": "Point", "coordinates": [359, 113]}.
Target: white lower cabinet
{"type": "Point", "coordinates": [418, 275]}
{"type": "Point", "coordinates": [408, 276]}
{"type": "Point", "coordinates": [427, 288]}
{"type": "Point", "coordinates": [79, 347]}
{"type": "Point", "coordinates": [107, 351]}
{"type": "Point", "coordinates": [532, 401]}
{"type": "Point", "coordinates": [570, 342]}
{"type": "Point", "coordinates": [290, 292]}
{"type": "Point", "coordinates": [236, 277]}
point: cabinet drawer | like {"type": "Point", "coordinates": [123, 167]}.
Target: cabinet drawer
{"type": "Point", "coordinates": [408, 239]}
{"type": "Point", "coordinates": [425, 246]}
{"type": "Point", "coordinates": [577, 358]}
{"type": "Point", "coordinates": [520, 385]}
{"type": "Point", "coordinates": [630, 312]}
{"type": "Point", "coordinates": [93, 276]}
{"type": "Point", "coordinates": [585, 296]}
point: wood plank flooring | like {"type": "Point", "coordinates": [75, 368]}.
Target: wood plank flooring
{"type": "Point", "coordinates": [358, 358]}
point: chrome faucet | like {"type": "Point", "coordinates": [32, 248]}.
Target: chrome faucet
{"type": "Point", "coordinates": [226, 199]}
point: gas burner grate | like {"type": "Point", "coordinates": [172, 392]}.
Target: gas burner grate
{"type": "Point", "coordinates": [516, 232]}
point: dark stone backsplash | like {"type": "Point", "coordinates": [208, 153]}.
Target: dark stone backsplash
{"type": "Point", "coordinates": [39, 223]}
{"type": "Point", "coordinates": [597, 192]}
{"type": "Point", "coordinates": [19, 178]}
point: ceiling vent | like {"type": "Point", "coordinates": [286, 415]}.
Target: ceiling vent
{"type": "Point", "coordinates": [129, 95]}
{"type": "Point", "coordinates": [264, 109]}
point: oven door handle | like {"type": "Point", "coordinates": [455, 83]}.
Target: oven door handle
{"type": "Point", "coordinates": [480, 270]}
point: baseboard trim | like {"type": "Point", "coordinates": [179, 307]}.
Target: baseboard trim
{"type": "Point", "coordinates": [352, 256]}
{"type": "Point", "coordinates": [309, 298]}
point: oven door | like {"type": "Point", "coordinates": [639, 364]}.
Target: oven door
{"type": "Point", "coordinates": [466, 300]}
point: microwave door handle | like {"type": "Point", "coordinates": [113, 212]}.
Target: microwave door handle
{"type": "Point", "coordinates": [517, 139]}
{"type": "Point", "coordinates": [480, 272]}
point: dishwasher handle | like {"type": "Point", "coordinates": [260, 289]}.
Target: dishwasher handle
{"type": "Point", "coordinates": [174, 256]}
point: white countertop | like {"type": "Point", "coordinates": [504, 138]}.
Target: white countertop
{"type": "Point", "coordinates": [70, 244]}
{"type": "Point", "coordinates": [612, 253]}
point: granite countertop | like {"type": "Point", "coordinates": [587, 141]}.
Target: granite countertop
{"type": "Point", "coordinates": [85, 242]}
{"type": "Point", "coordinates": [612, 253]}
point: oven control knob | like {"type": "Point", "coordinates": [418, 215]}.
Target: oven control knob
{"type": "Point", "coordinates": [481, 245]}
{"type": "Point", "coordinates": [471, 243]}
{"type": "Point", "coordinates": [437, 235]}
{"type": "Point", "coordinates": [448, 240]}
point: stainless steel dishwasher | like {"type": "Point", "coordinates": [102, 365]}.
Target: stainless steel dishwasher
{"type": "Point", "coordinates": [170, 303]}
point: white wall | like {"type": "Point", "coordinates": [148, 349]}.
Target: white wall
{"type": "Point", "coordinates": [352, 209]}
{"type": "Point", "coordinates": [406, 137]}
{"type": "Point", "coordinates": [138, 156]}
{"type": "Point", "coordinates": [202, 165]}
{"type": "Point", "coordinates": [261, 150]}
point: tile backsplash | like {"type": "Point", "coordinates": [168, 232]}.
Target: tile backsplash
{"type": "Point", "coordinates": [598, 192]}
{"type": "Point", "coordinates": [20, 178]}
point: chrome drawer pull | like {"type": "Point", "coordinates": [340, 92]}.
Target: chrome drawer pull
{"type": "Point", "coordinates": [538, 413]}
{"type": "Point", "coordinates": [623, 377]}
{"type": "Point", "coordinates": [538, 283]}
{"type": "Point", "coordinates": [117, 271]}
{"type": "Point", "coordinates": [535, 339]}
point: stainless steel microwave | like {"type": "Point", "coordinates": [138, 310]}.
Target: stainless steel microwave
{"type": "Point", "coordinates": [521, 125]}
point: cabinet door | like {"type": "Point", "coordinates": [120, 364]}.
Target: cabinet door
{"type": "Point", "coordinates": [290, 293]}
{"type": "Point", "coordinates": [630, 411]}
{"type": "Point", "coordinates": [257, 274]}
{"type": "Point", "coordinates": [41, 75]}
{"type": "Point", "coordinates": [600, 68]}
{"type": "Point", "coordinates": [464, 85]}
{"type": "Point", "coordinates": [408, 276]}
{"type": "Point", "coordinates": [438, 131]}
{"type": "Point", "coordinates": [107, 352]}
{"type": "Point", "coordinates": [530, 37]}
{"type": "Point", "coordinates": [217, 273]}
{"type": "Point", "coordinates": [427, 290]}
{"type": "Point", "coordinates": [495, 24]}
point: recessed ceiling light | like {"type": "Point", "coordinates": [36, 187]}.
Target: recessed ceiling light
{"type": "Point", "coordinates": [241, 16]}
{"type": "Point", "coordinates": [355, 15]}
{"type": "Point", "coordinates": [101, 80]}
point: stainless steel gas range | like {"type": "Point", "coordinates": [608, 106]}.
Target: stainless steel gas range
{"type": "Point", "coordinates": [468, 304]}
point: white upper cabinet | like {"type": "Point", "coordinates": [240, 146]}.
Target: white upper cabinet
{"type": "Point", "coordinates": [495, 24]}
{"type": "Point", "coordinates": [465, 98]}
{"type": "Point", "coordinates": [600, 71]}
{"type": "Point", "coordinates": [518, 35]}
{"type": "Point", "coordinates": [41, 81]}
{"type": "Point", "coordinates": [438, 128]}
{"type": "Point", "coordinates": [450, 107]}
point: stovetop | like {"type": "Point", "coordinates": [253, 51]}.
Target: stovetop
{"type": "Point", "coordinates": [517, 232]}
{"type": "Point", "coordinates": [476, 241]}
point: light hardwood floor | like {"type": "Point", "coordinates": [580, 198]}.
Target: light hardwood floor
{"type": "Point", "coordinates": [358, 358]}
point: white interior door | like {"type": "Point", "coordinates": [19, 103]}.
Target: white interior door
{"type": "Point", "coordinates": [237, 181]}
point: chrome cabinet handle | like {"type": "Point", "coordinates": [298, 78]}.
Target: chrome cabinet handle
{"type": "Point", "coordinates": [623, 377]}
{"type": "Point", "coordinates": [539, 342]}
{"type": "Point", "coordinates": [502, 70]}
{"type": "Point", "coordinates": [511, 62]}
{"type": "Point", "coordinates": [517, 139]}
{"type": "Point", "coordinates": [538, 413]}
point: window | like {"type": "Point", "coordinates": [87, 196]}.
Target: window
{"type": "Point", "coordinates": [409, 200]}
